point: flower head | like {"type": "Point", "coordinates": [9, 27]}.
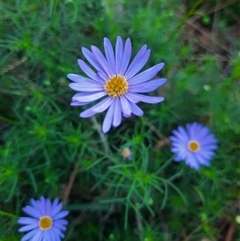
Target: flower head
{"type": "Point", "coordinates": [195, 145]}
{"type": "Point", "coordinates": [116, 79]}
{"type": "Point", "coordinates": [127, 153]}
{"type": "Point", "coordinates": [45, 222]}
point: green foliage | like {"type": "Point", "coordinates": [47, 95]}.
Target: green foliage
{"type": "Point", "coordinates": [45, 145]}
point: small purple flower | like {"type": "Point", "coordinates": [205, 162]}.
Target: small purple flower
{"type": "Point", "coordinates": [195, 145]}
{"type": "Point", "coordinates": [45, 222]}
{"type": "Point", "coordinates": [117, 80]}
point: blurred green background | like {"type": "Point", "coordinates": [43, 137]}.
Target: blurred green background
{"type": "Point", "coordinates": [46, 149]}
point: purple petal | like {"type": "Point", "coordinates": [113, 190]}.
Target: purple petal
{"type": "Point", "coordinates": [23, 220]}
{"type": "Point", "coordinates": [56, 210]}
{"type": "Point", "coordinates": [206, 154]}
{"type": "Point", "coordinates": [98, 108]}
{"type": "Point", "coordinates": [48, 206]}
{"type": "Point", "coordinates": [177, 158]}
{"type": "Point", "coordinates": [152, 99]}
{"type": "Point", "coordinates": [57, 232]}
{"type": "Point", "coordinates": [62, 214]}
{"type": "Point", "coordinates": [78, 103]}
{"type": "Point", "coordinates": [209, 139]}
{"type": "Point", "coordinates": [147, 87]}
{"type": "Point", "coordinates": [135, 98]}
{"type": "Point", "coordinates": [126, 56]}
{"type": "Point", "coordinates": [209, 147]}
{"type": "Point", "coordinates": [61, 221]}
{"type": "Point", "coordinates": [146, 75]}
{"type": "Point", "coordinates": [138, 56]}
{"type": "Point", "coordinates": [101, 60]}
{"type": "Point", "coordinates": [126, 108]}
{"type": "Point", "coordinates": [181, 135]}
{"type": "Point", "coordinates": [33, 203]}
{"type": "Point", "coordinates": [33, 212]}
{"type": "Point", "coordinates": [88, 71]}
{"type": "Point", "coordinates": [118, 54]}
{"type": "Point", "coordinates": [193, 130]}
{"type": "Point", "coordinates": [108, 119]}
{"type": "Point", "coordinates": [29, 235]}
{"type": "Point", "coordinates": [103, 76]}
{"type": "Point", "coordinates": [39, 205]}
{"type": "Point", "coordinates": [132, 98]}
{"type": "Point", "coordinates": [179, 146]}
{"type": "Point", "coordinates": [117, 118]}
{"type": "Point", "coordinates": [43, 204]}
{"type": "Point", "coordinates": [75, 77]}
{"type": "Point", "coordinates": [59, 226]}
{"type": "Point", "coordinates": [110, 55]}
{"type": "Point", "coordinates": [28, 227]}
{"type": "Point", "coordinates": [55, 203]}
{"type": "Point", "coordinates": [202, 161]}
{"type": "Point", "coordinates": [192, 161]}
{"type": "Point", "coordinates": [182, 152]}
{"type": "Point", "coordinates": [38, 236]}
{"type": "Point", "coordinates": [48, 235]}
{"type": "Point", "coordinates": [75, 102]}
{"type": "Point", "coordinates": [91, 58]}
{"type": "Point", "coordinates": [126, 116]}
{"type": "Point", "coordinates": [87, 97]}
{"type": "Point", "coordinates": [136, 61]}
{"type": "Point", "coordinates": [88, 86]}
{"type": "Point", "coordinates": [51, 235]}
{"type": "Point", "coordinates": [135, 109]}
{"type": "Point", "coordinates": [141, 62]}
{"type": "Point", "coordinates": [78, 78]}
{"type": "Point", "coordinates": [203, 132]}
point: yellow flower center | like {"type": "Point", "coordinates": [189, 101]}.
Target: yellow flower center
{"type": "Point", "coordinates": [45, 223]}
{"type": "Point", "coordinates": [193, 146]}
{"type": "Point", "coordinates": [116, 86]}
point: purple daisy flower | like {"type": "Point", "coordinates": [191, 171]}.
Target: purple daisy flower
{"type": "Point", "coordinates": [45, 222]}
{"type": "Point", "coordinates": [195, 145]}
{"type": "Point", "coordinates": [116, 79]}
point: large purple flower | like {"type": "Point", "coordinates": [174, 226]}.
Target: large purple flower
{"type": "Point", "coordinates": [195, 145]}
{"type": "Point", "coordinates": [45, 222]}
{"type": "Point", "coordinates": [116, 79]}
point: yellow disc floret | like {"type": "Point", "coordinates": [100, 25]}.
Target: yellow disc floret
{"type": "Point", "coordinates": [116, 86]}
{"type": "Point", "coordinates": [193, 146]}
{"type": "Point", "coordinates": [45, 223]}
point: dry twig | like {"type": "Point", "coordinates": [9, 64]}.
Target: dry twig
{"type": "Point", "coordinates": [70, 184]}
